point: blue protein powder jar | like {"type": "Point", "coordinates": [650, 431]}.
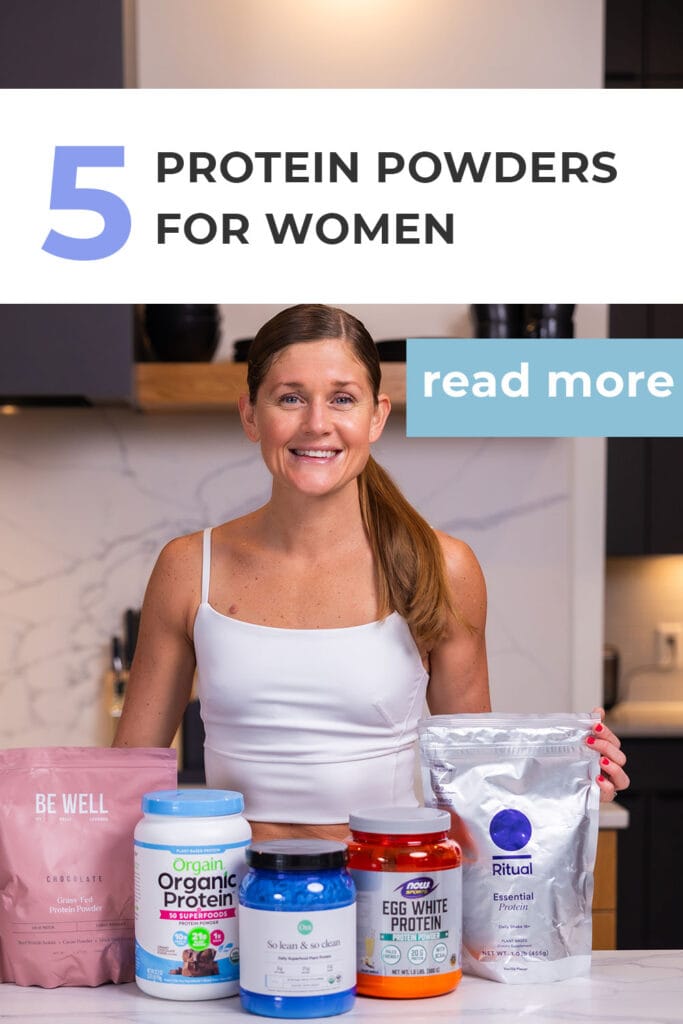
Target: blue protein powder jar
{"type": "Point", "coordinates": [297, 927]}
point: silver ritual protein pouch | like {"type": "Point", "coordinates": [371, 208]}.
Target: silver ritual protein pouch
{"type": "Point", "coordinates": [522, 793]}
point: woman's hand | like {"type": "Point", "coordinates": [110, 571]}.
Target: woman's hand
{"type": "Point", "coordinates": [612, 778]}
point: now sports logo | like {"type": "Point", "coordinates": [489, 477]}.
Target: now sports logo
{"type": "Point", "coordinates": [415, 888]}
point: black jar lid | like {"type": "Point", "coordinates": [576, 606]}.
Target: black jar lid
{"type": "Point", "coordinates": [297, 855]}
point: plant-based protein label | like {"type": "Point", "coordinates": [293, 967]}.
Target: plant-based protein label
{"type": "Point", "coordinates": [297, 924]}
{"type": "Point", "coordinates": [409, 898]}
{"type": "Point", "coordinates": [295, 954]}
{"type": "Point", "coordinates": [524, 790]}
{"type": "Point", "coordinates": [189, 862]}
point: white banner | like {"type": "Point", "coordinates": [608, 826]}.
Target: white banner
{"type": "Point", "coordinates": [345, 196]}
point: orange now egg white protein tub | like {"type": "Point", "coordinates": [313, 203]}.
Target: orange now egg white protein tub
{"type": "Point", "coordinates": [408, 877]}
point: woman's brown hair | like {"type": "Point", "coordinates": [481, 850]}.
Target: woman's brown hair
{"type": "Point", "coordinates": [410, 568]}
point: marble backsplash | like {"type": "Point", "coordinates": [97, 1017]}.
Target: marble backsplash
{"type": "Point", "coordinates": [89, 496]}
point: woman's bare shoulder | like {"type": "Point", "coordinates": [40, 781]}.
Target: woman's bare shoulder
{"type": "Point", "coordinates": [180, 560]}
{"type": "Point", "coordinates": [174, 588]}
{"type": "Point", "coordinates": [181, 557]}
{"type": "Point", "coordinates": [466, 578]}
{"type": "Point", "coordinates": [459, 556]}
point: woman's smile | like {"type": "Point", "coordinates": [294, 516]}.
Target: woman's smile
{"type": "Point", "coordinates": [315, 454]}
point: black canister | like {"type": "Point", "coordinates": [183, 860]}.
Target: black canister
{"type": "Point", "coordinates": [550, 320]}
{"type": "Point", "coordinates": [181, 334]}
{"type": "Point", "coordinates": [497, 320]}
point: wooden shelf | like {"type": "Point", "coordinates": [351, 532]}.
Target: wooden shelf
{"type": "Point", "coordinates": [215, 387]}
{"type": "Point", "coordinates": [189, 387]}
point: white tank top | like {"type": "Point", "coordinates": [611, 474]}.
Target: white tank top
{"type": "Point", "coordinates": [309, 724]}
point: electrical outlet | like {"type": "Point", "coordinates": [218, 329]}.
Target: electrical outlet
{"type": "Point", "coordinates": [668, 644]}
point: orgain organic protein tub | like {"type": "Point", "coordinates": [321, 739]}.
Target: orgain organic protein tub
{"type": "Point", "coordinates": [409, 893]}
{"type": "Point", "coordinates": [189, 861]}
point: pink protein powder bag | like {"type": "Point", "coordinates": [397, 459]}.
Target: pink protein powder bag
{"type": "Point", "coordinates": [67, 816]}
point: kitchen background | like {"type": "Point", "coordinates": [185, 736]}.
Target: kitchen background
{"type": "Point", "coordinates": [550, 657]}
{"type": "Point", "coordinates": [88, 496]}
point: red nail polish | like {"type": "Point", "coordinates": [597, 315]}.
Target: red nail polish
{"type": "Point", "coordinates": [604, 760]}
{"type": "Point", "coordinates": [591, 740]}
{"type": "Point", "coordinates": [599, 727]}
{"type": "Point", "coordinates": [600, 778]}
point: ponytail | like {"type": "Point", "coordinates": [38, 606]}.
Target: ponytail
{"type": "Point", "coordinates": [411, 571]}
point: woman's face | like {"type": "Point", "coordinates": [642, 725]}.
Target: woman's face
{"type": "Point", "coordinates": [315, 416]}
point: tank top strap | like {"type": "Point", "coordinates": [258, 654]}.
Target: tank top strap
{"type": "Point", "coordinates": [206, 564]}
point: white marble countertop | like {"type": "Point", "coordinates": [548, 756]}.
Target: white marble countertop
{"type": "Point", "coordinates": [613, 815]}
{"type": "Point", "coordinates": [650, 718]}
{"type": "Point", "coordinates": [627, 987]}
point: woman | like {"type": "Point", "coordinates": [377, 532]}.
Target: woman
{"type": "Point", "coordinates": [320, 621]}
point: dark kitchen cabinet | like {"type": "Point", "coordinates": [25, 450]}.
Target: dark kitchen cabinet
{"type": "Point", "coordinates": [65, 353]}
{"type": "Point", "coordinates": [643, 44]}
{"type": "Point", "coordinates": [63, 44]}
{"type": "Point", "coordinates": [650, 882]}
{"type": "Point", "coordinates": [645, 475]}
{"type": "Point", "coordinates": [644, 496]}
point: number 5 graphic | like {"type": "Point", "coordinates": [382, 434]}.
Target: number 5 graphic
{"type": "Point", "coordinates": [67, 196]}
